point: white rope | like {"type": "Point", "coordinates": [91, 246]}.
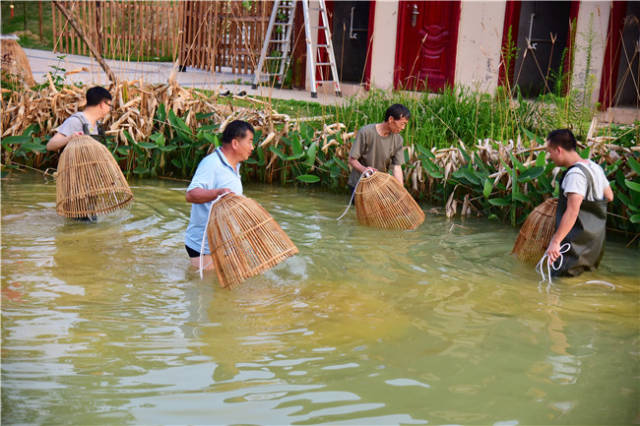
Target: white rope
{"type": "Point", "coordinates": [551, 265]}
{"type": "Point", "coordinates": [367, 173]}
{"type": "Point", "coordinates": [204, 234]}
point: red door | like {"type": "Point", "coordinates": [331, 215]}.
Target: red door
{"type": "Point", "coordinates": [426, 44]}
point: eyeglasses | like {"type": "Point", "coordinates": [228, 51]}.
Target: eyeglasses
{"type": "Point", "coordinates": [109, 104]}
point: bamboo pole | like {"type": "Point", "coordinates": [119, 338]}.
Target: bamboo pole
{"type": "Point", "coordinates": [55, 29]}
{"type": "Point", "coordinates": [153, 45]}
{"type": "Point", "coordinates": [113, 18]}
{"type": "Point", "coordinates": [66, 44]}
{"type": "Point", "coordinates": [141, 37]}
{"type": "Point", "coordinates": [81, 34]}
{"type": "Point", "coordinates": [84, 14]}
{"type": "Point", "coordinates": [215, 38]}
{"type": "Point", "coordinates": [130, 14]}
{"type": "Point", "coordinates": [40, 20]}
{"type": "Point", "coordinates": [97, 11]}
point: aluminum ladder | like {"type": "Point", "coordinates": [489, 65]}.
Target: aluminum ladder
{"type": "Point", "coordinates": [317, 56]}
{"type": "Point", "coordinates": [316, 51]}
{"type": "Point", "coordinates": [278, 33]}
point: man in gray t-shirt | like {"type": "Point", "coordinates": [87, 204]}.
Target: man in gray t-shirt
{"type": "Point", "coordinates": [379, 146]}
{"type": "Point", "coordinates": [85, 122]}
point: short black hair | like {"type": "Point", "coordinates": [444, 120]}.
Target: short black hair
{"type": "Point", "coordinates": [97, 94]}
{"type": "Point", "coordinates": [397, 111]}
{"type": "Point", "coordinates": [563, 138]}
{"type": "Point", "coordinates": [237, 129]}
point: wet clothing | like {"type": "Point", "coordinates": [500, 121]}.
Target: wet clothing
{"type": "Point", "coordinates": [78, 122]}
{"type": "Point", "coordinates": [191, 252]}
{"type": "Point", "coordinates": [588, 233]}
{"type": "Point", "coordinates": [213, 172]}
{"type": "Point", "coordinates": [373, 150]}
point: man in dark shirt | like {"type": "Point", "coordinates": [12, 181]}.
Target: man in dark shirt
{"type": "Point", "coordinates": [379, 146]}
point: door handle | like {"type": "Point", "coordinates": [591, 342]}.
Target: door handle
{"type": "Point", "coordinates": [414, 15]}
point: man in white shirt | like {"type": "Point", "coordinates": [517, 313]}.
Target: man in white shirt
{"type": "Point", "coordinates": [582, 206]}
{"type": "Point", "coordinates": [85, 122]}
{"type": "Point", "coordinates": [217, 174]}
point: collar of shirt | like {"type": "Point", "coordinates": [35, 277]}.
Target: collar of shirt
{"type": "Point", "coordinates": [224, 161]}
{"type": "Point", "coordinates": [86, 119]}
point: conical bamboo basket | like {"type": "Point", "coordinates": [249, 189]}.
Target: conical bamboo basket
{"type": "Point", "coordinates": [244, 240]}
{"type": "Point", "coordinates": [382, 202]}
{"type": "Point", "coordinates": [89, 181]}
{"type": "Point", "coordinates": [536, 232]}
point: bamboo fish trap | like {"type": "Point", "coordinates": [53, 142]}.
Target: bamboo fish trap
{"type": "Point", "coordinates": [536, 232]}
{"type": "Point", "coordinates": [89, 181]}
{"type": "Point", "coordinates": [244, 240]}
{"type": "Point", "coordinates": [382, 202]}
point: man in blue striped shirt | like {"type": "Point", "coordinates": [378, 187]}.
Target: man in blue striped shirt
{"type": "Point", "coordinates": [217, 174]}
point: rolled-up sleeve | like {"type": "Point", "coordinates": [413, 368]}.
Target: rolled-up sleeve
{"type": "Point", "coordinates": [576, 183]}
{"type": "Point", "coordinates": [358, 147]}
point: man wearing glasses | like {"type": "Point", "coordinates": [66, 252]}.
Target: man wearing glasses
{"type": "Point", "coordinates": [85, 122]}
{"type": "Point", "coordinates": [217, 174]}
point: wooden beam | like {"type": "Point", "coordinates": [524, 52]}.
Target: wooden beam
{"type": "Point", "coordinates": [84, 38]}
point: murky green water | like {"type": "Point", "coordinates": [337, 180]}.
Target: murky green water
{"type": "Point", "coordinates": [106, 323]}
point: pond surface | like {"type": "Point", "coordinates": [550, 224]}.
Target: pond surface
{"type": "Point", "coordinates": [106, 323]}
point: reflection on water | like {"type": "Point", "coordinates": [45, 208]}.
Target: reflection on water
{"type": "Point", "coordinates": [106, 323]}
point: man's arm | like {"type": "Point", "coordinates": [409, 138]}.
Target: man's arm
{"type": "Point", "coordinates": [357, 149]}
{"type": "Point", "coordinates": [566, 223]}
{"type": "Point", "coordinates": [397, 159]}
{"type": "Point", "coordinates": [608, 194]}
{"type": "Point", "coordinates": [59, 141]}
{"type": "Point", "coordinates": [397, 173]}
{"type": "Point", "coordinates": [358, 165]}
{"type": "Point", "coordinates": [201, 195]}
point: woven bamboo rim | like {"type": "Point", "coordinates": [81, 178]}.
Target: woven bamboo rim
{"type": "Point", "coordinates": [89, 181]}
{"type": "Point", "coordinates": [536, 232]}
{"type": "Point", "coordinates": [382, 202]}
{"type": "Point", "coordinates": [244, 240]}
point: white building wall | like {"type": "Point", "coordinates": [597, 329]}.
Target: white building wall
{"type": "Point", "coordinates": [480, 41]}
{"type": "Point", "coordinates": [591, 38]}
{"type": "Point", "coordinates": [314, 17]}
{"type": "Point", "coordinates": [479, 44]}
{"type": "Point", "coordinates": [383, 51]}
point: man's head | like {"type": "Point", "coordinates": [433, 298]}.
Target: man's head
{"type": "Point", "coordinates": [397, 116]}
{"type": "Point", "coordinates": [99, 99]}
{"type": "Point", "coordinates": [238, 136]}
{"type": "Point", "coordinates": [561, 144]}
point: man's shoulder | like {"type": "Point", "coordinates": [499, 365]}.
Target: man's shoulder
{"type": "Point", "coordinates": [74, 123]}
{"type": "Point", "coordinates": [78, 115]}
{"type": "Point", "coordinates": [213, 157]}
{"type": "Point", "coordinates": [597, 168]}
{"type": "Point", "coordinates": [576, 171]}
{"type": "Point", "coordinates": [580, 169]}
{"type": "Point", "coordinates": [209, 161]}
{"type": "Point", "coordinates": [368, 129]}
